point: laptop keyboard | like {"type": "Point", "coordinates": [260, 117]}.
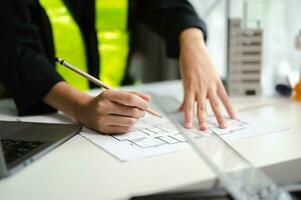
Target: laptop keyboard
{"type": "Point", "coordinates": [14, 149]}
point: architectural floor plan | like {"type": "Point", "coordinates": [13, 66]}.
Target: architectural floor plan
{"type": "Point", "coordinates": [153, 136]}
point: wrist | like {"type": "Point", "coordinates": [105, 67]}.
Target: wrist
{"type": "Point", "coordinates": [67, 99]}
{"type": "Point", "coordinates": [192, 37]}
{"type": "Point", "coordinates": [80, 107]}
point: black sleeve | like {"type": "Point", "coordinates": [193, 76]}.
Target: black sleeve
{"type": "Point", "coordinates": [169, 18]}
{"type": "Point", "coordinates": [25, 71]}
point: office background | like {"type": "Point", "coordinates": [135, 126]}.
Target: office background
{"type": "Point", "coordinates": [279, 20]}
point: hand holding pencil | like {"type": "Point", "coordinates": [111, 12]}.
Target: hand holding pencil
{"type": "Point", "coordinates": [113, 111]}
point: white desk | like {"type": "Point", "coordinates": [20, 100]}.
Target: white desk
{"type": "Point", "coordinates": [80, 170]}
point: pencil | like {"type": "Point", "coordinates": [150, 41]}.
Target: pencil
{"type": "Point", "coordinates": [94, 80]}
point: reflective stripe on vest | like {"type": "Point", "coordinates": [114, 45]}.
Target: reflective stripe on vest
{"type": "Point", "coordinates": [111, 27]}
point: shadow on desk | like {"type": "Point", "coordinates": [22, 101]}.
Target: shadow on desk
{"type": "Point", "coordinates": [286, 174]}
{"type": "Point", "coordinates": [215, 194]}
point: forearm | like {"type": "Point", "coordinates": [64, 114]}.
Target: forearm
{"type": "Point", "coordinates": [67, 99]}
{"type": "Point", "coordinates": [111, 112]}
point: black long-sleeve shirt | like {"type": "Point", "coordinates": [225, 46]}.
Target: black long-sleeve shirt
{"type": "Point", "coordinates": [169, 18]}
{"type": "Point", "coordinates": [26, 45]}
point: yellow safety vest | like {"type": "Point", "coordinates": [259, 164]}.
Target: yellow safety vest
{"type": "Point", "coordinates": [111, 27]}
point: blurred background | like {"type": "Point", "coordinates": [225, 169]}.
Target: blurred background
{"type": "Point", "coordinates": [280, 21]}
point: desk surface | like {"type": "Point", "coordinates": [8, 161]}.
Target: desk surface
{"type": "Point", "coordinates": [80, 170]}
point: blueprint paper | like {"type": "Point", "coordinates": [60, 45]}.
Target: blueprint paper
{"type": "Point", "coordinates": [153, 136]}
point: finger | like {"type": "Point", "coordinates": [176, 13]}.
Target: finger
{"type": "Point", "coordinates": [188, 110]}
{"type": "Point", "coordinates": [215, 107]}
{"type": "Point", "coordinates": [128, 111]}
{"type": "Point", "coordinates": [112, 129]}
{"type": "Point", "coordinates": [118, 120]}
{"type": "Point", "coordinates": [126, 98]}
{"type": "Point", "coordinates": [143, 96]}
{"type": "Point", "coordinates": [224, 98]}
{"type": "Point", "coordinates": [201, 111]}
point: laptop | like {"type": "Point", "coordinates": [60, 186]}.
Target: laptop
{"type": "Point", "coordinates": [24, 142]}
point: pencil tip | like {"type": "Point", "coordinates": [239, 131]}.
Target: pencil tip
{"type": "Point", "coordinates": [159, 116]}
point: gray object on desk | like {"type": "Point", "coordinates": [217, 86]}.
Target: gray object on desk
{"type": "Point", "coordinates": [24, 142]}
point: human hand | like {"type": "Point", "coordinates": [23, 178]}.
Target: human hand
{"type": "Point", "coordinates": [200, 81]}
{"type": "Point", "coordinates": [113, 112]}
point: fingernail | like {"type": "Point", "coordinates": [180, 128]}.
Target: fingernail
{"type": "Point", "coordinates": [232, 115]}
{"type": "Point", "coordinates": [188, 125]}
{"type": "Point", "coordinates": [223, 125]}
{"type": "Point", "coordinates": [203, 126]}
